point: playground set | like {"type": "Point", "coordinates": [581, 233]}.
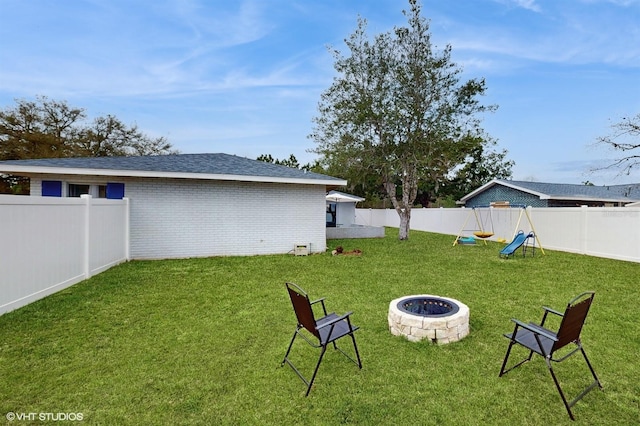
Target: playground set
{"type": "Point", "coordinates": [484, 229]}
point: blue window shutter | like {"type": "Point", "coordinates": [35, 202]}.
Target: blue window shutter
{"type": "Point", "coordinates": [51, 188]}
{"type": "Point", "coordinates": [115, 191]}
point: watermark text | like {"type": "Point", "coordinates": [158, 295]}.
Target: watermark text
{"type": "Point", "coordinates": [44, 417]}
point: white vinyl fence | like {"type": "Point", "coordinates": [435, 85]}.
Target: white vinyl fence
{"type": "Point", "coordinates": [48, 244]}
{"type": "Point", "coordinates": [611, 232]}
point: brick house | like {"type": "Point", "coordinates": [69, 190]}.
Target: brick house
{"type": "Point", "coordinates": [539, 194]}
{"type": "Point", "coordinates": [193, 205]}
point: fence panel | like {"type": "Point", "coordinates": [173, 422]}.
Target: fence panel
{"type": "Point", "coordinates": [371, 217]}
{"type": "Point", "coordinates": [50, 243]}
{"type": "Point", "coordinates": [441, 221]}
{"type": "Point", "coordinates": [108, 235]}
{"type": "Point", "coordinates": [612, 230]}
{"type": "Point", "coordinates": [561, 228]}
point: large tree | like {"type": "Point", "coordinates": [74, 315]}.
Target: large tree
{"type": "Point", "coordinates": [46, 128]}
{"type": "Point", "coordinates": [625, 139]}
{"type": "Point", "coordinates": [398, 112]}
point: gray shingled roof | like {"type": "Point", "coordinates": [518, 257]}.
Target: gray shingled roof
{"type": "Point", "coordinates": [210, 164]}
{"type": "Point", "coordinates": [562, 190]}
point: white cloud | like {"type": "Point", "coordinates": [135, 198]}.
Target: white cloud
{"type": "Point", "coordinates": [524, 4]}
{"type": "Point", "coordinates": [528, 4]}
{"type": "Point", "coordinates": [216, 27]}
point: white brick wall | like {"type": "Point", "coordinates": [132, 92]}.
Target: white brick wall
{"type": "Point", "coordinates": [174, 218]}
{"type": "Point", "coordinates": [189, 218]}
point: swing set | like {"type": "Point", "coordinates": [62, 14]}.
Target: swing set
{"type": "Point", "coordinates": [484, 218]}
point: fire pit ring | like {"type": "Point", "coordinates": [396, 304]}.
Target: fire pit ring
{"type": "Point", "coordinates": [424, 316]}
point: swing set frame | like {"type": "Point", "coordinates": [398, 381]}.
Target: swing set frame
{"type": "Point", "coordinates": [482, 233]}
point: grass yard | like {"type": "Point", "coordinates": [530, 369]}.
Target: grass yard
{"type": "Point", "coordinates": [200, 341]}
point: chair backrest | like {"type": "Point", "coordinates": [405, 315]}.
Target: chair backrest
{"type": "Point", "coordinates": [302, 308]}
{"type": "Point", "coordinates": [573, 319]}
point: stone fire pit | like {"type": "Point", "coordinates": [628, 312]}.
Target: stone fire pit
{"type": "Point", "coordinates": [424, 316]}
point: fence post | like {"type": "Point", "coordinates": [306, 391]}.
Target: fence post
{"type": "Point", "coordinates": [86, 261]}
{"type": "Point", "coordinates": [127, 231]}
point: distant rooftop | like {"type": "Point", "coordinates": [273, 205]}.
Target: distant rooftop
{"type": "Point", "coordinates": [561, 191]}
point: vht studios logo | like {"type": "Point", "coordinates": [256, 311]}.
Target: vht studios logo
{"type": "Point", "coordinates": [43, 417]}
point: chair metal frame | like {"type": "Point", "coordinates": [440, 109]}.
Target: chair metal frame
{"type": "Point", "coordinates": [544, 342]}
{"type": "Point", "coordinates": [329, 328]}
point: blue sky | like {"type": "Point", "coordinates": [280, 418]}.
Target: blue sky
{"type": "Point", "coordinates": [244, 77]}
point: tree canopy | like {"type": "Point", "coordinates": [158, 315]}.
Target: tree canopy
{"type": "Point", "coordinates": [481, 166]}
{"type": "Point", "coordinates": [46, 128]}
{"type": "Point", "coordinates": [292, 161]}
{"type": "Point", "coordinates": [398, 114]}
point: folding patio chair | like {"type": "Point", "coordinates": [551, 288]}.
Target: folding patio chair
{"type": "Point", "coordinates": [544, 342]}
{"type": "Point", "coordinates": [319, 333]}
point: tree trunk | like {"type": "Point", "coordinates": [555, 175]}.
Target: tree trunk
{"type": "Point", "coordinates": [403, 206]}
{"type": "Point", "coordinates": [405, 221]}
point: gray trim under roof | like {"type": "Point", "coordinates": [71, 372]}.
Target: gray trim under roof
{"type": "Point", "coordinates": [195, 166]}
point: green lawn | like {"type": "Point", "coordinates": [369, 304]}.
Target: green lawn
{"type": "Point", "coordinates": [200, 341]}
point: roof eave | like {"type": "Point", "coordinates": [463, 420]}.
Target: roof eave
{"type": "Point", "coordinates": [604, 200]}
{"type": "Point", "coordinates": [36, 170]}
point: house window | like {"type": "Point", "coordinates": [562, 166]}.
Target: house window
{"type": "Point", "coordinates": [110, 190]}
{"type": "Point", "coordinates": [76, 190]}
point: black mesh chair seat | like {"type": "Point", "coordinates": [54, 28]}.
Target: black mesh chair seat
{"type": "Point", "coordinates": [341, 327]}
{"type": "Point", "coordinates": [531, 335]}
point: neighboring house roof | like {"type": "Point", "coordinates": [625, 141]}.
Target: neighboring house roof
{"type": "Point", "coordinates": [341, 197]}
{"type": "Point", "coordinates": [559, 191]}
{"type": "Point", "coordinates": [185, 166]}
